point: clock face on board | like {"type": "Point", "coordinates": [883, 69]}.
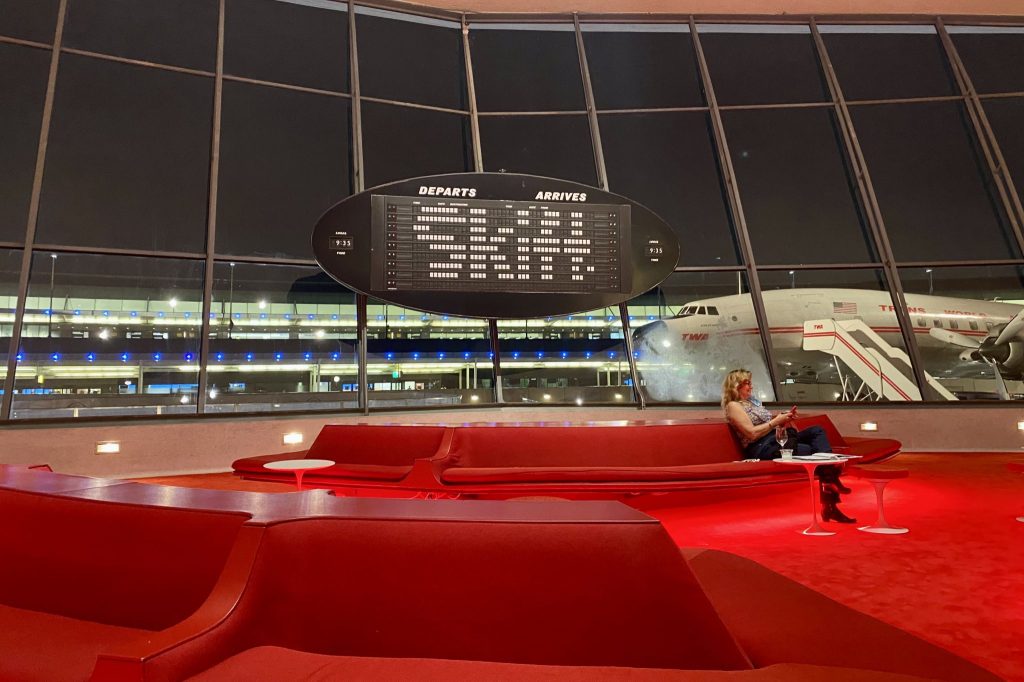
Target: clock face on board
{"type": "Point", "coordinates": [495, 245]}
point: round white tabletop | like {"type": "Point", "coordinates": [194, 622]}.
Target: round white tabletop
{"type": "Point", "coordinates": [298, 467]}
{"type": "Point", "coordinates": [297, 464]}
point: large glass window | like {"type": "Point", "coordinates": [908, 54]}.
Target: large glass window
{"type": "Point", "coordinates": [10, 271]}
{"type": "Point", "coordinates": [29, 19]}
{"type": "Point", "coordinates": [432, 73]}
{"type": "Point", "coordinates": [573, 359]}
{"type": "Point", "coordinates": [835, 337]}
{"type": "Point", "coordinates": [934, 187]}
{"type": "Point", "coordinates": [887, 62]}
{"type": "Point", "coordinates": [505, 67]}
{"type": "Point", "coordinates": [667, 162]}
{"type": "Point", "coordinates": [298, 42]}
{"type": "Point", "coordinates": [993, 55]}
{"type": "Point", "coordinates": [128, 160]}
{"type": "Point", "coordinates": [635, 66]}
{"type": "Point", "coordinates": [965, 323]}
{"type": "Point", "coordinates": [284, 159]}
{"type": "Point", "coordinates": [691, 331]}
{"type": "Point", "coordinates": [23, 74]}
{"type": "Point", "coordinates": [762, 64]}
{"type": "Point", "coordinates": [797, 190]}
{"type": "Point", "coordinates": [404, 142]}
{"type": "Point", "coordinates": [282, 338]}
{"type": "Point", "coordinates": [109, 336]}
{"type": "Point", "coordinates": [1005, 115]}
{"type": "Point", "coordinates": [177, 32]}
{"type": "Point", "coordinates": [555, 146]}
{"type": "Point", "coordinates": [428, 360]}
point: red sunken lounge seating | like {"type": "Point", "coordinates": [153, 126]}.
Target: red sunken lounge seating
{"type": "Point", "coordinates": [80, 576]}
{"type": "Point", "coordinates": [158, 583]}
{"type": "Point", "coordinates": [547, 458]}
{"type": "Point", "coordinates": [372, 452]}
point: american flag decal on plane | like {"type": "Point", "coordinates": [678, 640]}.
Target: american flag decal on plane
{"type": "Point", "coordinates": [844, 308]}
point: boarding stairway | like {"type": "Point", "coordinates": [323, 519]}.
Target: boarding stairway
{"type": "Point", "coordinates": [883, 370]}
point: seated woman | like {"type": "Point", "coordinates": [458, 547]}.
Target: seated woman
{"type": "Point", "coordinates": [755, 426]}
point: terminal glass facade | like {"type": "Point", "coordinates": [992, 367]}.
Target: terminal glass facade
{"type": "Point", "coordinates": [847, 198]}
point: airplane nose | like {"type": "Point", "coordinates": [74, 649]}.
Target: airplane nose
{"type": "Point", "coordinates": [647, 336]}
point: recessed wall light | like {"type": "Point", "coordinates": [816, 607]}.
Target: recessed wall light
{"type": "Point", "coordinates": [869, 426]}
{"type": "Point", "coordinates": [293, 438]}
{"type": "Point", "coordinates": [108, 447]}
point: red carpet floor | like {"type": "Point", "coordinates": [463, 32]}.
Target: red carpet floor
{"type": "Point", "coordinates": [957, 579]}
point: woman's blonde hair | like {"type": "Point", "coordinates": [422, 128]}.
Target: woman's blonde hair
{"type": "Point", "coordinates": [731, 385]}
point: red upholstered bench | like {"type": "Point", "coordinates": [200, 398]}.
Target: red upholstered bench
{"type": "Point", "coordinates": [524, 459]}
{"type": "Point", "coordinates": [361, 452]}
{"type": "Point", "coordinates": [497, 590]}
{"type": "Point", "coordinates": [577, 584]}
{"type": "Point", "coordinates": [632, 457]}
{"type": "Point", "coordinates": [79, 576]}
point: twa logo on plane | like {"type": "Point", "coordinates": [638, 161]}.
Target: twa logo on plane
{"type": "Point", "coordinates": [694, 337]}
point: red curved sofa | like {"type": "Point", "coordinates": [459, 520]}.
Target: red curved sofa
{"type": "Point", "coordinates": [158, 583]}
{"type": "Point", "coordinates": [525, 459]}
{"type": "Point", "coordinates": [79, 576]}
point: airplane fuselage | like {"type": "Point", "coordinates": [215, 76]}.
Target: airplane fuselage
{"type": "Point", "coordinates": [702, 321]}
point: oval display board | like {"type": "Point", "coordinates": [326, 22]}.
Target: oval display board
{"type": "Point", "coordinates": [498, 245]}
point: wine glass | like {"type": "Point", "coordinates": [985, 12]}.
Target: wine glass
{"type": "Point", "coordinates": [781, 435]}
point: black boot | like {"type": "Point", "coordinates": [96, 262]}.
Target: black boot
{"type": "Point", "coordinates": [830, 504]}
{"type": "Point", "coordinates": [831, 513]}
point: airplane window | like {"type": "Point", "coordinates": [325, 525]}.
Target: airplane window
{"type": "Point", "coordinates": [973, 325]}
{"type": "Point", "coordinates": [937, 323]}
{"type": "Point", "coordinates": [919, 322]}
{"type": "Point", "coordinates": [712, 310]}
{"type": "Point", "coordinates": [953, 324]}
{"type": "Point", "coordinates": [701, 310]}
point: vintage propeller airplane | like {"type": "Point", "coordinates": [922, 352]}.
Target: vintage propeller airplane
{"type": "Point", "coordinates": [724, 330]}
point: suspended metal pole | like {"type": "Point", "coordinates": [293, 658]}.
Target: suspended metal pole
{"type": "Point", "coordinates": [873, 212]}
{"type": "Point", "coordinates": [602, 180]}
{"type": "Point", "coordinates": [732, 194]}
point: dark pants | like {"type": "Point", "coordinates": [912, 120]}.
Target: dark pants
{"type": "Point", "coordinates": [806, 442]}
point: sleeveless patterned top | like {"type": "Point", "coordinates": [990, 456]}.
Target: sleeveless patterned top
{"type": "Point", "coordinates": [758, 414]}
